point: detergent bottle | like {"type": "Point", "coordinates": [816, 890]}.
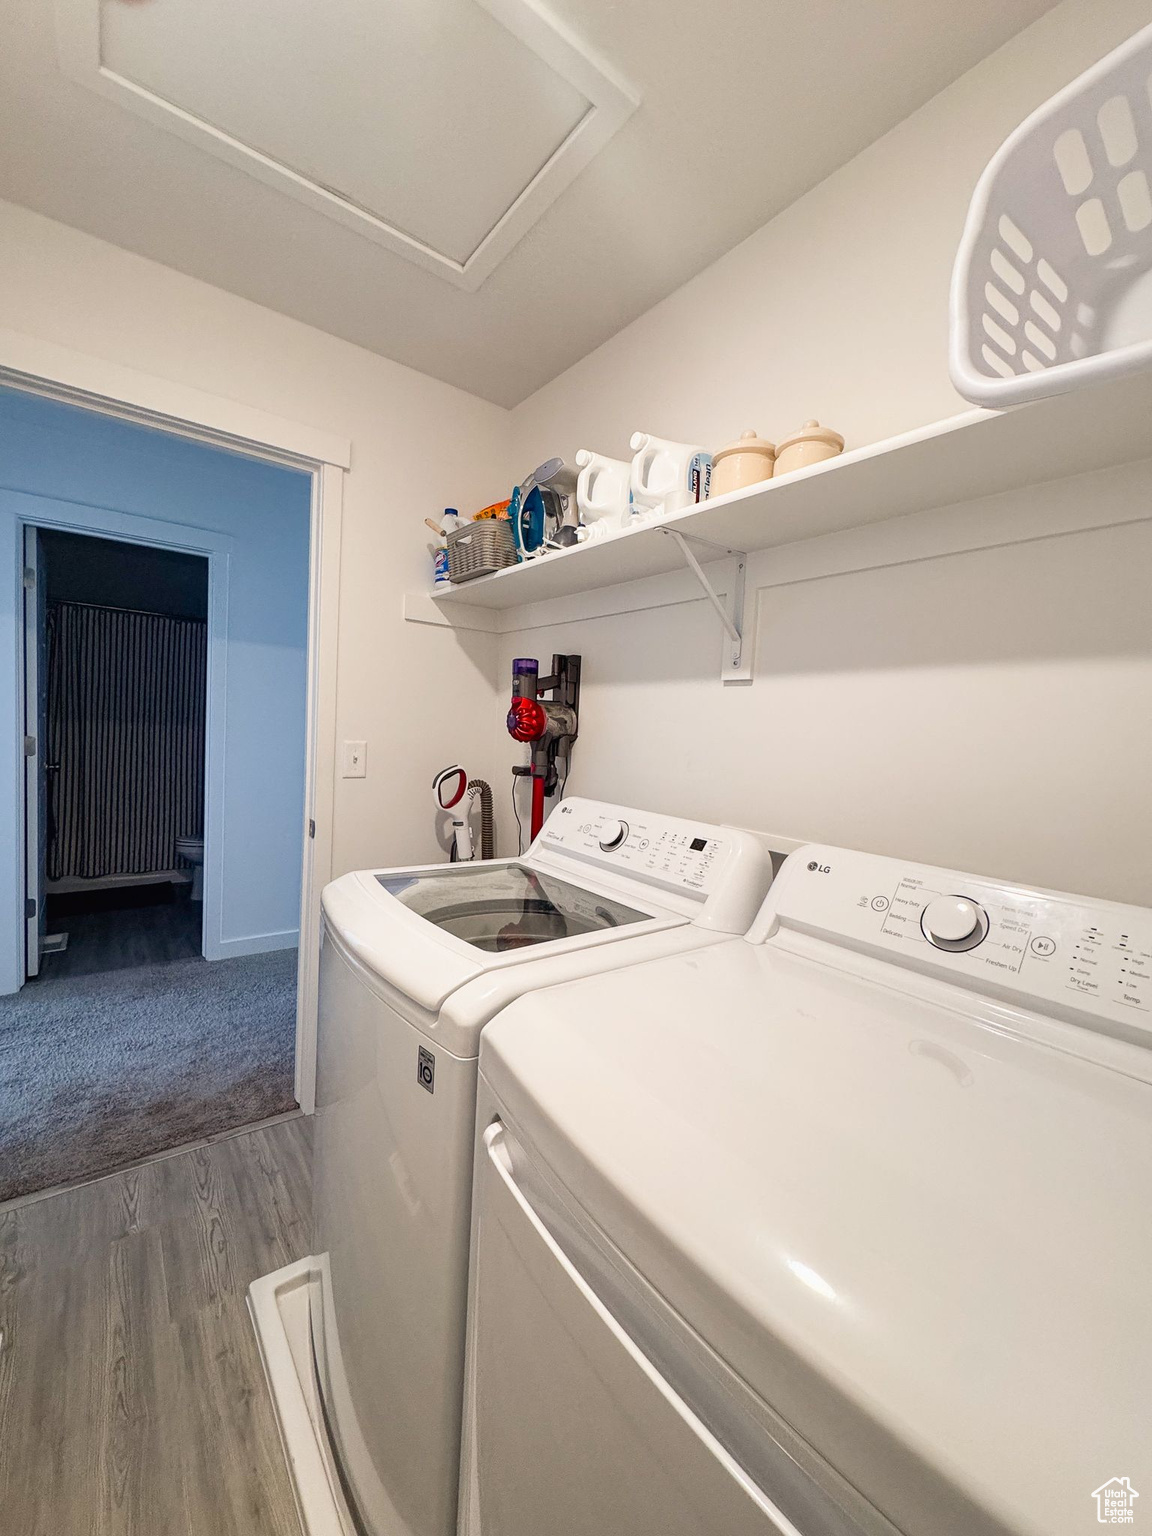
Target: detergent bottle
{"type": "Point", "coordinates": [602, 493]}
{"type": "Point", "coordinates": [666, 478]}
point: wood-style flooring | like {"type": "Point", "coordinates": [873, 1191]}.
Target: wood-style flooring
{"type": "Point", "coordinates": [122, 931]}
{"type": "Point", "coordinates": [132, 1397]}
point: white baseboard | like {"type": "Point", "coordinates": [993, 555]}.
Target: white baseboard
{"type": "Point", "coordinates": [253, 944]}
{"type": "Point", "coordinates": [69, 884]}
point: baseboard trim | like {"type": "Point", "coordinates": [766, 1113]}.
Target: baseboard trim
{"type": "Point", "coordinates": [253, 944]}
{"type": "Point", "coordinates": [69, 885]}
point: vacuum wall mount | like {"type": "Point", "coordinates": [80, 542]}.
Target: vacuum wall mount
{"type": "Point", "coordinates": [548, 726]}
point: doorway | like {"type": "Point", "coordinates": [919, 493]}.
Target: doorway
{"type": "Point", "coordinates": [160, 651]}
{"type": "Point", "coordinates": [62, 374]}
{"type": "Point", "coordinates": [116, 645]}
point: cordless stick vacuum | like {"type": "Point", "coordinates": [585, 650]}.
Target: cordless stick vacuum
{"type": "Point", "coordinates": [547, 725]}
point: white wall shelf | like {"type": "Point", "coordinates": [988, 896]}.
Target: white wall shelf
{"type": "Point", "coordinates": [965, 458]}
{"type": "Point", "coordinates": [961, 459]}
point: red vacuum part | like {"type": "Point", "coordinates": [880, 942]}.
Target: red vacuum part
{"type": "Point", "coordinates": [537, 806]}
{"type": "Point", "coordinates": [462, 785]}
{"type": "Point", "coordinates": [526, 720]}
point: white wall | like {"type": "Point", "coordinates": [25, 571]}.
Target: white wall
{"type": "Point", "coordinates": [837, 308]}
{"type": "Point", "coordinates": [984, 708]}
{"type": "Point", "coordinates": [421, 697]}
{"type": "Point", "coordinates": [887, 702]}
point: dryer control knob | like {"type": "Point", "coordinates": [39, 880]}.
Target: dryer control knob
{"type": "Point", "coordinates": [613, 835]}
{"type": "Point", "coordinates": [953, 922]}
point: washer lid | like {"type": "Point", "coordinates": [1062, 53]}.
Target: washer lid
{"type": "Point", "coordinates": [427, 931]}
{"type": "Point", "coordinates": [922, 1237]}
{"type": "Point", "coordinates": [497, 908]}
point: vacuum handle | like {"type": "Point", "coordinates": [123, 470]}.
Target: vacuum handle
{"type": "Point", "coordinates": [448, 787]}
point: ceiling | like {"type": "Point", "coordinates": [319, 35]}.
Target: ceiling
{"type": "Point", "coordinates": [460, 185]}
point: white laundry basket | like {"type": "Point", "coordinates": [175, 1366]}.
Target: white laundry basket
{"type": "Point", "coordinates": [1053, 280]}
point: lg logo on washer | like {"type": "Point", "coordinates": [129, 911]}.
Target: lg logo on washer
{"type": "Point", "coordinates": [821, 869]}
{"type": "Point", "coordinates": [426, 1070]}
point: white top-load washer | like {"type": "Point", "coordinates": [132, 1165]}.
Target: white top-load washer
{"type": "Point", "coordinates": [841, 1228]}
{"type": "Point", "coordinates": [414, 963]}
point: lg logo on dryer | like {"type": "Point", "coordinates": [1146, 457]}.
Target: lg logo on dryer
{"type": "Point", "coordinates": [426, 1070]}
{"type": "Point", "coordinates": [819, 869]}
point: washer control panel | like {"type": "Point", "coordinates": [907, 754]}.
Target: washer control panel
{"type": "Point", "coordinates": [677, 853]}
{"type": "Point", "coordinates": [715, 877]}
{"type": "Point", "coordinates": [1094, 956]}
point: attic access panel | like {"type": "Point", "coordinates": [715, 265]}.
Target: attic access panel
{"type": "Point", "coordinates": [441, 129]}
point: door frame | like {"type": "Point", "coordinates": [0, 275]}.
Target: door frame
{"type": "Point", "coordinates": [76, 378]}
{"type": "Point", "coordinates": [35, 799]}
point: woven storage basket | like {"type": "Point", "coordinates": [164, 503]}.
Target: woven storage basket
{"type": "Point", "coordinates": [1052, 286]}
{"type": "Point", "coordinates": [480, 548]}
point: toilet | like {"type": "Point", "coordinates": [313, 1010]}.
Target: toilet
{"type": "Point", "coordinates": [191, 850]}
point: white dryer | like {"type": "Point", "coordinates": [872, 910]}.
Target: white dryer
{"type": "Point", "coordinates": [841, 1228]}
{"type": "Point", "coordinates": [414, 964]}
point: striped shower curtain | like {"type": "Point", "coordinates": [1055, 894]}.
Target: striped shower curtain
{"type": "Point", "coordinates": [126, 701]}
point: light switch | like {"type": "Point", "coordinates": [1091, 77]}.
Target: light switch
{"type": "Point", "coordinates": [355, 759]}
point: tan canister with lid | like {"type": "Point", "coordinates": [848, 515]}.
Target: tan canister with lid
{"type": "Point", "coordinates": [749, 459]}
{"type": "Point", "coordinates": [812, 444]}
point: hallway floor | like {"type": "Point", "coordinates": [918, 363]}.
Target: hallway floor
{"type": "Point", "coordinates": [118, 929]}
{"type": "Point", "coordinates": [132, 1397]}
{"type": "Point", "coordinates": [112, 1061]}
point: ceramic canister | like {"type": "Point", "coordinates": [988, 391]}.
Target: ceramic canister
{"type": "Point", "coordinates": [808, 446]}
{"type": "Point", "coordinates": [744, 462]}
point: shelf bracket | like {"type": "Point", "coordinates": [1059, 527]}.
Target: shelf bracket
{"type": "Point", "coordinates": [732, 612]}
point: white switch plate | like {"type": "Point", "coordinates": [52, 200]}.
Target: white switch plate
{"type": "Point", "coordinates": [355, 759]}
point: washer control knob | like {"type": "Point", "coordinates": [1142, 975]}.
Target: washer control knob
{"type": "Point", "coordinates": [612, 835]}
{"type": "Point", "coordinates": [953, 922]}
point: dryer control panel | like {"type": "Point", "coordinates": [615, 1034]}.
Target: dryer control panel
{"type": "Point", "coordinates": [723, 868]}
{"type": "Point", "coordinates": [1047, 947]}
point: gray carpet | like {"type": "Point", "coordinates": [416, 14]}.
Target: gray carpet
{"type": "Point", "coordinates": [96, 1071]}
